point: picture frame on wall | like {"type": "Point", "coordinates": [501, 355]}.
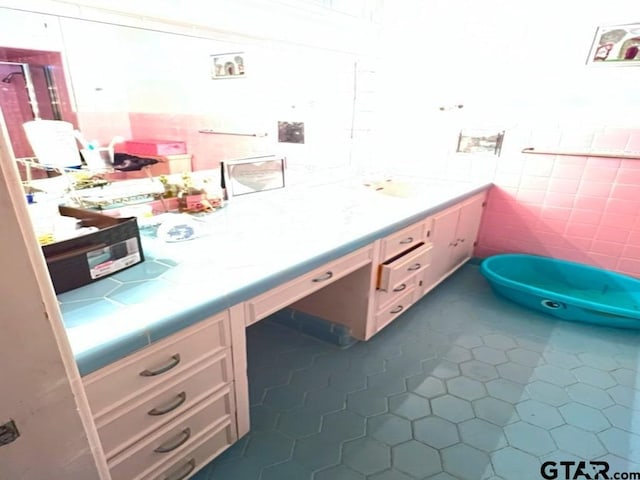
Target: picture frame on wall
{"type": "Point", "coordinates": [616, 45]}
{"type": "Point", "coordinates": [228, 65]}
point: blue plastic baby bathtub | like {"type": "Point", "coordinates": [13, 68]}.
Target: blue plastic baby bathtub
{"type": "Point", "coordinates": [567, 290]}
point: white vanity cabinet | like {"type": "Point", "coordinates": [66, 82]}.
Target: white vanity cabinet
{"type": "Point", "coordinates": [417, 258]}
{"type": "Point", "coordinates": [454, 234]}
{"type": "Point", "coordinates": [168, 409]}
{"type": "Point", "coordinates": [404, 256]}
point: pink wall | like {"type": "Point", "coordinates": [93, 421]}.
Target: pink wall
{"type": "Point", "coordinates": [207, 150]}
{"type": "Point", "coordinates": [577, 208]}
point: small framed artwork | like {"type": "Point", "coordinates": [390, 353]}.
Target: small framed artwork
{"type": "Point", "coordinates": [252, 175]}
{"type": "Point", "coordinates": [480, 141]}
{"type": "Point", "coordinates": [228, 65]}
{"type": "Point", "coordinates": [616, 45]}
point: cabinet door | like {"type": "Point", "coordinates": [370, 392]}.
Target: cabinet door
{"type": "Point", "coordinates": [467, 230]}
{"type": "Point", "coordinates": [443, 234]}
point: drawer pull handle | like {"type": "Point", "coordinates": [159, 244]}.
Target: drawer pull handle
{"type": "Point", "coordinates": [174, 443]}
{"type": "Point", "coordinates": [175, 360]}
{"type": "Point", "coordinates": [323, 278]}
{"type": "Point", "coordinates": [398, 309]}
{"type": "Point", "coordinates": [400, 287]}
{"type": "Point", "coordinates": [180, 399]}
{"type": "Point", "coordinates": [414, 267]}
{"type": "Point", "coordinates": [406, 240]}
{"type": "Point", "coordinates": [179, 475]}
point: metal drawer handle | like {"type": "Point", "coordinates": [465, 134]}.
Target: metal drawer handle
{"type": "Point", "coordinates": [175, 360]}
{"type": "Point", "coordinates": [181, 398]}
{"type": "Point", "coordinates": [406, 240]}
{"type": "Point", "coordinates": [191, 466]}
{"type": "Point", "coordinates": [400, 287]}
{"type": "Point", "coordinates": [414, 267]}
{"type": "Point", "coordinates": [172, 444]}
{"type": "Point", "coordinates": [398, 309]}
{"type": "Point", "coordinates": [322, 278]}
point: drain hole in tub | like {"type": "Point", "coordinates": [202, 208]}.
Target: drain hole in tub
{"type": "Point", "coordinates": [551, 304]}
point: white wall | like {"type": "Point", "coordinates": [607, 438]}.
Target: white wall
{"type": "Point", "coordinates": [515, 65]}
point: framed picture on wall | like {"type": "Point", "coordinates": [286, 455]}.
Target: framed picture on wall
{"type": "Point", "coordinates": [616, 45]}
{"type": "Point", "coordinates": [228, 65]}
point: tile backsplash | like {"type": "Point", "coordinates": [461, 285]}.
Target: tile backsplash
{"type": "Point", "coordinates": [578, 208]}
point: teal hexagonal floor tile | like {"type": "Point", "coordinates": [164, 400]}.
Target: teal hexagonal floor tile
{"type": "Point", "coordinates": [452, 408]}
{"type": "Point", "coordinates": [625, 396]}
{"type": "Point", "coordinates": [444, 369]}
{"type": "Point", "coordinates": [489, 355]}
{"type": "Point", "coordinates": [524, 357]}
{"type": "Point", "coordinates": [599, 361]}
{"type": "Point", "coordinates": [507, 390]}
{"type": "Point", "coordinates": [262, 418]}
{"type": "Point", "coordinates": [457, 354]}
{"type": "Point", "coordinates": [577, 441]}
{"type": "Point", "coordinates": [626, 377]}
{"type": "Point", "coordinates": [338, 472]}
{"type": "Point", "coordinates": [299, 423]}
{"type": "Point", "coordinates": [268, 448]}
{"type": "Point", "coordinates": [529, 438]}
{"type": "Point", "coordinates": [284, 397]}
{"type": "Point", "coordinates": [495, 411]}
{"type": "Point", "coordinates": [366, 403]}
{"type": "Point", "coordinates": [501, 342]}
{"type": "Point", "coordinates": [366, 455]}
{"type": "Point", "coordinates": [391, 474]}
{"type": "Point", "coordinates": [416, 459]}
{"type": "Point", "coordinates": [617, 464]}
{"type": "Point", "coordinates": [289, 469]}
{"type": "Point", "coordinates": [555, 375]}
{"type": "Point", "coordinates": [515, 372]}
{"type": "Point", "coordinates": [468, 341]}
{"type": "Point", "coordinates": [547, 393]}
{"type": "Point", "coordinates": [465, 462]}
{"type": "Point", "coordinates": [620, 443]}
{"type": "Point", "coordinates": [325, 400]}
{"type": "Point", "coordinates": [343, 425]}
{"type": "Point", "coordinates": [593, 376]}
{"type": "Point", "coordinates": [562, 359]}
{"type": "Point", "coordinates": [389, 429]}
{"type": "Point", "coordinates": [588, 395]}
{"type": "Point", "coordinates": [624, 418]}
{"type": "Point", "coordinates": [511, 463]}
{"type": "Point", "coordinates": [409, 406]}
{"type": "Point", "coordinates": [241, 468]}
{"type": "Point", "coordinates": [347, 381]}
{"type": "Point", "coordinates": [479, 370]}
{"type": "Point", "coordinates": [482, 435]}
{"type": "Point", "coordinates": [317, 451]}
{"type": "Point", "coordinates": [386, 383]}
{"type": "Point", "coordinates": [426, 386]}
{"type": "Point", "coordinates": [436, 432]}
{"type": "Point", "coordinates": [466, 388]}
{"type": "Point", "coordinates": [584, 417]}
{"type": "Point", "coordinates": [539, 414]}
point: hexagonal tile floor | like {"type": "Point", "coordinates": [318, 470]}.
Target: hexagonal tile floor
{"type": "Point", "coordinates": [465, 385]}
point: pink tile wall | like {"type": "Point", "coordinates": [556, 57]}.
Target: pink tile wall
{"type": "Point", "coordinates": [207, 150]}
{"type": "Point", "coordinates": [583, 209]}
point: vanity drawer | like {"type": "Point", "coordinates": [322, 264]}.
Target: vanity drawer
{"type": "Point", "coordinates": [384, 298]}
{"type": "Point", "coordinates": [183, 466]}
{"type": "Point", "coordinates": [402, 240]}
{"type": "Point", "coordinates": [121, 427]}
{"type": "Point", "coordinates": [395, 271]}
{"type": "Point", "coordinates": [280, 297]}
{"type": "Point", "coordinates": [394, 309]}
{"type": "Point", "coordinates": [119, 382]}
{"type": "Point", "coordinates": [177, 437]}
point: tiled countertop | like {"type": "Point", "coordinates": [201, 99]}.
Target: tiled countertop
{"type": "Point", "coordinates": [250, 246]}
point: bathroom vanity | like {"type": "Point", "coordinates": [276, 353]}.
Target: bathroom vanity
{"type": "Point", "coordinates": [168, 389]}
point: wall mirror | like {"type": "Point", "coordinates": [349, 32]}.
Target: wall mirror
{"type": "Point", "coordinates": [112, 80]}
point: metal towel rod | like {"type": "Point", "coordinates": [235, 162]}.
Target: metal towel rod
{"type": "Point", "coordinates": [213, 132]}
